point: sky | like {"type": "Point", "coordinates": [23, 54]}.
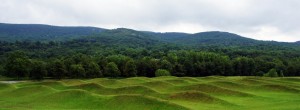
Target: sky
{"type": "Point", "coordinates": [277, 20]}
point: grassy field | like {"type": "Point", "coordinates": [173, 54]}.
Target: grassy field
{"type": "Point", "coordinates": [161, 93]}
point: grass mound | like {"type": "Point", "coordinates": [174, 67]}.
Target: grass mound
{"type": "Point", "coordinates": [4, 86]}
{"type": "Point", "coordinates": [111, 83]}
{"type": "Point", "coordinates": [30, 92]}
{"type": "Point", "coordinates": [135, 90]}
{"type": "Point", "coordinates": [71, 99]}
{"type": "Point", "coordinates": [95, 80]}
{"type": "Point", "coordinates": [190, 79]}
{"type": "Point", "coordinates": [98, 89]}
{"type": "Point", "coordinates": [211, 89]}
{"type": "Point", "coordinates": [158, 85]}
{"type": "Point", "coordinates": [210, 78]}
{"type": "Point", "coordinates": [229, 85]}
{"type": "Point", "coordinates": [159, 93]}
{"type": "Point", "coordinates": [73, 82]}
{"type": "Point", "coordinates": [252, 81]}
{"type": "Point", "coordinates": [133, 80]}
{"type": "Point", "coordinates": [195, 96]}
{"type": "Point", "coordinates": [53, 84]}
{"type": "Point", "coordinates": [162, 78]}
{"type": "Point", "coordinates": [137, 102]}
{"type": "Point", "coordinates": [177, 81]}
{"type": "Point", "coordinates": [72, 93]}
{"type": "Point", "coordinates": [297, 80]}
{"type": "Point", "coordinates": [88, 87]}
{"type": "Point", "coordinates": [280, 88]}
{"type": "Point", "coordinates": [78, 99]}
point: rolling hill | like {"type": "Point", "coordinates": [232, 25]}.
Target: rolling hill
{"type": "Point", "coordinates": [38, 32]}
{"type": "Point", "coordinates": [122, 36]}
{"type": "Point", "coordinates": [160, 93]}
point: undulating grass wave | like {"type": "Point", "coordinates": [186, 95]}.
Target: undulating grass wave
{"type": "Point", "coordinates": [160, 93]}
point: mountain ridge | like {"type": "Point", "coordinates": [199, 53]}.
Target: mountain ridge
{"type": "Point", "coordinates": [42, 32]}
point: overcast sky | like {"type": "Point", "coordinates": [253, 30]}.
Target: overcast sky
{"type": "Point", "coordinates": [277, 20]}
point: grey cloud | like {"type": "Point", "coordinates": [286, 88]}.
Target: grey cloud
{"type": "Point", "coordinates": [259, 19]}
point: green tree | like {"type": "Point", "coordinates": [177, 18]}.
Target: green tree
{"type": "Point", "coordinates": [244, 66]}
{"type": "Point", "coordinates": [162, 72]}
{"type": "Point", "coordinates": [272, 73]}
{"type": "Point", "coordinates": [57, 69]}
{"type": "Point", "coordinates": [147, 66]}
{"type": "Point", "coordinates": [179, 70]}
{"type": "Point", "coordinates": [38, 70]}
{"type": "Point", "coordinates": [165, 64]}
{"type": "Point", "coordinates": [200, 68]}
{"type": "Point", "coordinates": [77, 71]}
{"type": "Point", "coordinates": [17, 65]}
{"type": "Point", "coordinates": [92, 70]}
{"type": "Point", "coordinates": [130, 69]}
{"type": "Point", "coordinates": [111, 70]}
{"type": "Point", "coordinates": [119, 60]}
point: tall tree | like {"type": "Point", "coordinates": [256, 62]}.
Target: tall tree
{"type": "Point", "coordinates": [165, 64]}
{"type": "Point", "coordinates": [272, 73]}
{"type": "Point", "coordinates": [57, 69]}
{"type": "Point", "coordinates": [120, 61]}
{"type": "Point", "coordinates": [244, 66]}
{"type": "Point", "coordinates": [92, 70]}
{"type": "Point", "coordinates": [38, 70]}
{"type": "Point", "coordinates": [111, 70]}
{"type": "Point", "coordinates": [77, 71]}
{"type": "Point", "coordinates": [17, 65]}
{"type": "Point", "coordinates": [130, 69]}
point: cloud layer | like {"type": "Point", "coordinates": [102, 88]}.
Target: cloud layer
{"type": "Point", "coordinates": [259, 19]}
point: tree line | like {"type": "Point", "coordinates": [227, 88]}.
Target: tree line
{"type": "Point", "coordinates": [104, 57]}
{"type": "Point", "coordinates": [17, 64]}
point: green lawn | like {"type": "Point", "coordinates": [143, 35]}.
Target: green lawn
{"type": "Point", "coordinates": [160, 93]}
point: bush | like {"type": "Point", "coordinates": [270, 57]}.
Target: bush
{"type": "Point", "coordinates": [271, 73]}
{"type": "Point", "coordinates": [162, 72]}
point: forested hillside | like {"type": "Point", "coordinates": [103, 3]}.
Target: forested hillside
{"type": "Point", "coordinates": [93, 52]}
{"type": "Point", "coordinates": [37, 32]}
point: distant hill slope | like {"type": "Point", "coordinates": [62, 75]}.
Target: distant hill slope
{"type": "Point", "coordinates": [38, 32]}
{"type": "Point", "coordinates": [123, 36]}
{"type": "Point", "coordinates": [169, 36]}
{"type": "Point", "coordinates": [206, 38]}
{"type": "Point", "coordinates": [219, 39]}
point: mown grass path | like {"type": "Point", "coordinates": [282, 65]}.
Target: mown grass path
{"type": "Point", "coordinates": [160, 93]}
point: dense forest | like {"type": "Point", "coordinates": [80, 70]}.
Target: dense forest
{"type": "Point", "coordinates": [41, 51]}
